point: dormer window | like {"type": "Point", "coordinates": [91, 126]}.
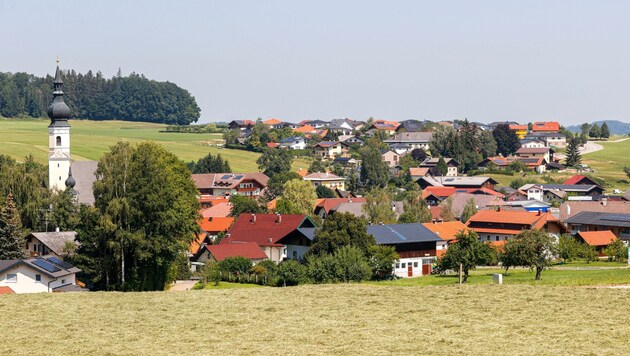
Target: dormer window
{"type": "Point", "coordinates": [58, 141]}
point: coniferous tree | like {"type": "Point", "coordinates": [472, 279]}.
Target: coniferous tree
{"type": "Point", "coordinates": [604, 131]}
{"type": "Point", "coordinates": [595, 131]}
{"type": "Point", "coordinates": [210, 164]}
{"type": "Point", "coordinates": [573, 157]}
{"type": "Point", "coordinates": [11, 239]}
{"type": "Point", "coordinates": [506, 140]}
{"type": "Point", "coordinates": [374, 171]}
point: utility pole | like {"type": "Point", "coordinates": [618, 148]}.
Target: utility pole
{"type": "Point", "coordinates": [46, 213]}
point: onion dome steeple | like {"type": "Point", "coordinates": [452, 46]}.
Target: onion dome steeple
{"type": "Point", "coordinates": [70, 182]}
{"type": "Point", "coordinates": [58, 111]}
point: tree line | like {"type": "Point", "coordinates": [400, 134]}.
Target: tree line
{"type": "Point", "coordinates": [93, 97]}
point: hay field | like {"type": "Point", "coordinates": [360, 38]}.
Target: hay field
{"type": "Point", "coordinates": [328, 319]}
{"type": "Point", "coordinates": [90, 139]}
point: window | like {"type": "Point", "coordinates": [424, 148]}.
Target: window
{"type": "Point", "coordinates": [38, 278]}
{"type": "Point", "coordinates": [397, 265]}
{"type": "Point", "coordinates": [12, 278]}
{"type": "Point", "coordinates": [497, 238]}
{"type": "Point", "coordinates": [415, 264]}
{"type": "Point", "coordinates": [63, 281]}
{"type": "Point", "coordinates": [403, 265]}
{"type": "Point", "coordinates": [58, 141]}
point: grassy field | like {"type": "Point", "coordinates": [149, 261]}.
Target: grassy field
{"type": "Point", "coordinates": [609, 162]}
{"type": "Point", "coordinates": [90, 139]}
{"type": "Point", "coordinates": [328, 319]}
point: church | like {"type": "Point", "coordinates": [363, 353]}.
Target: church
{"type": "Point", "coordinates": [60, 166]}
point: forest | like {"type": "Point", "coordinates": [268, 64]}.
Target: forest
{"type": "Point", "coordinates": [93, 97]}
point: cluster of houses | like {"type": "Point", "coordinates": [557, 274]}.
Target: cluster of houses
{"type": "Point", "coordinates": [589, 215]}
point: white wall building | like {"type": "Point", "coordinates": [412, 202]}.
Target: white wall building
{"type": "Point", "coordinates": [38, 275]}
{"type": "Point", "coordinates": [58, 137]}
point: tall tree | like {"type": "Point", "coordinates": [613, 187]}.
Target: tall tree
{"type": "Point", "coordinates": [447, 210]}
{"type": "Point", "coordinates": [65, 210]}
{"type": "Point", "coordinates": [442, 167]}
{"type": "Point", "coordinates": [273, 161]}
{"type": "Point", "coordinates": [379, 207]}
{"type": "Point", "coordinates": [604, 131]}
{"type": "Point", "coordinates": [299, 197]}
{"type": "Point", "coordinates": [506, 140]}
{"type": "Point", "coordinates": [210, 164]}
{"type": "Point", "coordinates": [242, 204]}
{"type": "Point", "coordinates": [11, 239]}
{"type": "Point", "coordinates": [338, 230]}
{"type": "Point", "coordinates": [573, 157]}
{"type": "Point", "coordinates": [487, 144]}
{"type": "Point", "coordinates": [595, 131]}
{"type": "Point", "coordinates": [530, 248]}
{"type": "Point", "coordinates": [415, 209]}
{"type": "Point", "coordinates": [374, 172]}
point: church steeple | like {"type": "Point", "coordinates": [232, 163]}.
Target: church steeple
{"type": "Point", "coordinates": [58, 111]}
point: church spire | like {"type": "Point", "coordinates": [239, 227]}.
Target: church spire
{"type": "Point", "coordinates": [58, 111]}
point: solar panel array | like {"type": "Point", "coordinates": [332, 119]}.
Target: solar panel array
{"type": "Point", "coordinates": [46, 265]}
{"type": "Point", "coordinates": [616, 217]}
{"type": "Point", "coordinates": [59, 262]}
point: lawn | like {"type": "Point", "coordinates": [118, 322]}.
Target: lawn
{"type": "Point", "coordinates": [231, 285]}
{"type": "Point", "coordinates": [609, 162]}
{"type": "Point", "coordinates": [90, 139]}
{"type": "Point", "coordinates": [325, 319]}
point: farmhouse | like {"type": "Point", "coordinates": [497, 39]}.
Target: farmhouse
{"type": "Point", "coordinates": [586, 221]}
{"type": "Point", "coordinates": [330, 149]}
{"type": "Point", "coordinates": [279, 236]}
{"type": "Point", "coordinates": [226, 184]}
{"type": "Point", "coordinates": [56, 244]}
{"type": "Point", "coordinates": [415, 244]}
{"type": "Point", "coordinates": [500, 225]}
{"type": "Point", "coordinates": [570, 208]}
{"type": "Point", "coordinates": [411, 139]}
{"type": "Point", "coordinates": [37, 275]}
{"type": "Point", "coordinates": [447, 231]}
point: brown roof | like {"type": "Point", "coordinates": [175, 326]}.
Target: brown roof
{"type": "Point", "coordinates": [249, 250]}
{"type": "Point", "coordinates": [459, 201]}
{"type": "Point", "coordinates": [597, 238]}
{"type": "Point", "coordinates": [329, 204]}
{"type": "Point", "coordinates": [419, 171]}
{"type": "Point", "coordinates": [220, 210]}
{"type": "Point", "coordinates": [570, 208]}
{"type": "Point", "coordinates": [532, 150]}
{"type": "Point", "coordinates": [265, 229]}
{"type": "Point", "coordinates": [55, 241]}
{"type": "Point", "coordinates": [227, 180]}
{"type": "Point", "coordinates": [497, 219]}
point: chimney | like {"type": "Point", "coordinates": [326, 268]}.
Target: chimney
{"type": "Point", "coordinates": [270, 240]}
{"type": "Point", "coordinates": [604, 201]}
{"type": "Point", "coordinates": [539, 212]}
{"type": "Point", "coordinates": [393, 207]}
{"type": "Point", "coordinates": [253, 219]}
{"type": "Point", "coordinates": [498, 208]}
{"type": "Point", "coordinates": [278, 218]}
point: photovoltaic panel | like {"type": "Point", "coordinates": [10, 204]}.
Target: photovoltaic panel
{"type": "Point", "coordinates": [59, 262]}
{"type": "Point", "coordinates": [46, 265]}
{"type": "Point", "coordinates": [616, 217]}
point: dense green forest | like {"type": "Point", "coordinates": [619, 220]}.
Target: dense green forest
{"type": "Point", "coordinates": [93, 97]}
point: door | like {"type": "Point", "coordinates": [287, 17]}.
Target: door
{"type": "Point", "coordinates": [410, 270]}
{"type": "Point", "coordinates": [426, 269]}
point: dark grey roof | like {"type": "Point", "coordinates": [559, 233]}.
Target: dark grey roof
{"type": "Point", "coordinates": [600, 218]}
{"type": "Point", "coordinates": [554, 165]}
{"type": "Point", "coordinates": [70, 288]}
{"type": "Point", "coordinates": [55, 241]}
{"type": "Point", "coordinates": [392, 234]}
{"type": "Point", "coordinates": [545, 134]}
{"type": "Point", "coordinates": [58, 111]}
{"type": "Point", "coordinates": [411, 125]}
{"type": "Point", "coordinates": [308, 232]}
{"type": "Point", "coordinates": [5, 264]}
{"type": "Point", "coordinates": [569, 187]}
{"type": "Point", "coordinates": [83, 173]}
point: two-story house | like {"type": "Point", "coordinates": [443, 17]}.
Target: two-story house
{"type": "Point", "coordinates": [227, 184]}
{"type": "Point", "coordinates": [293, 143]}
{"type": "Point", "coordinates": [330, 149]}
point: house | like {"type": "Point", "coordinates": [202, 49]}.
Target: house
{"type": "Point", "coordinates": [346, 161]}
{"type": "Point", "coordinates": [482, 201]}
{"type": "Point", "coordinates": [218, 253]}
{"type": "Point", "coordinates": [327, 179]}
{"type": "Point", "coordinates": [536, 164]}
{"type": "Point", "coordinates": [447, 231]}
{"type": "Point", "coordinates": [570, 207]}
{"type": "Point", "coordinates": [351, 140]}
{"type": "Point", "coordinates": [315, 123]}
{"type": "Point", "coordinates": [412, 139]}
{"type": "Point", "coordinates": [293, 143]}
{"type": "Point", "coordinates": [597, 239]}
{"type": "Point", "coordinates": [306, 129]}
{"type": "Point", "coordinates": [410, 126]}
{"type": "Point", "coordinates": [580, 179]}
{"type": "Point", "coordinates": [529, 205]}
{"type": "Point", "coordinates": [417, 172]}
{"type": "Point", "coordinates": [212, 226]}
{"type": "Point", "coordinates": [520, 130]}
{"type": "Point", "coordinates": [220, 210]}
{"type": "Point", "coordinates": [53, 244]}
{"type": "Point", "coordinates": [618, 223]}
{"type": "Point", "coordinates": [241, 124]}
{"type": "Point", "coordinates": [279, 236]}
{"type": "Point", "coordinates": [494, 124]}
{"type": "Point", "coordinates": [415, 244]}
{"type": "Point", "coordinates": [551, 139]}
{"type": "Point", "coordinates": [330, 149]}
{"type": "Point", "coordinates": [458, 182]}
{"type": "Point", "coordinates": [391, 158]}
{"type": "Point", "coordinates": [550, 126]}
{"type": "Point", "coordinates": [342, 126]}
{"type": "Point", "coordinates": [400, 148]}
{"type": "Point", "coordinates": [551, 192]}
{"type": "Point", "coordinates": [271, 122]}
{"type": "Point", "coordinates": [326, 206]}
{"type": "Point", "coordinates": [532, 143]}
{"type": "Point", "coordinates": [387, 127]}
{"type": "Point", "coordinates": [432, 164]}
{"type": "Point", "coordinates": [501, 225]}
{"type": "Point", "coordinates": [226, 184]}
{"type": "Point", "coordinates": [37, 275]}
{"type": "Point", "coordinates": [544, 152]}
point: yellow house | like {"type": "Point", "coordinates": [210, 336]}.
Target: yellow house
{"type": "Point", "coordinates": [328, 180]}
{"type": "Point", "coordinates": [521, 130]}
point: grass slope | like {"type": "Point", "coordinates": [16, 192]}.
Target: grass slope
{"type": "Point", "coordinates": [609, 162]}
{"type": "Point", "coordinates": [329, 319]}
{"type": "Point", "coordinates": [90, 139]}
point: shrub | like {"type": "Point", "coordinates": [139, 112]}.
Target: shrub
{"type": "Point", "coordinates": [290, 273]}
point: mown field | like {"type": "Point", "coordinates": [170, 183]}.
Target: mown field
{"type": "Point", "coordinates": [325, 319]}
{"type": "Point", "coordinates": [90, 139]}
{"type": "Point", "coordinates": [609, 163]}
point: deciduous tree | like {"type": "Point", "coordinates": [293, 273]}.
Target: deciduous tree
{"type": "Point", "coordinates": [467, 251]}
{"type": "Point", "coordinates": [531, 248]}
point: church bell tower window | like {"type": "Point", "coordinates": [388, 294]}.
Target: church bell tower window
{"type": "Point", "coordinates": [58, 140]}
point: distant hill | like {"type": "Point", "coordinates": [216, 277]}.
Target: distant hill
{"type": "Point", "coordinates": [616, 127]}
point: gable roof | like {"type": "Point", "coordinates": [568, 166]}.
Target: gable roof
{"type": "Point", "coordinates": [482, 201]}
{"type": "Point", "coordinates": [534, 150]}
{"type": "Point", "coordinates": [265, 229]}
{"type": "Point", "coordinates": [55, 241]}
{"type": "Point", "coordinates": [411, 125]}
{"type": "Point", "coordinates": [573, 207]}
{"type": "Point", "coordinates": [57, 270]}
{"type": "Point", "coordinates": [220, 210]}
{"type": "Point", "coordinates": [498, 219]}
{"type": "Point", "coordinates": [419, 171]}
{"type": "Point", "coordinates": [249, 250]}
{"type": "Point", "coordinates": [305, 129]}
{"type": "Point", "coordinates": [328, 144]}
{"type": "Point", "coordinates": [323, 176]}
{"type": "Point", "coordinates": [446, 230]}
{"type": "Point", "coordinates": [328, 204]}
{"type": "Point", "coordinates": [597, 238]}
{"type": "Point", "coordinates": [227, 180]}
{"type": "Point", "coordinates": [272, 121]}
{"type": "Point", "coordinates": [410, 137]}
{"type": "Point", "coordinates": [600, 218]}
{"type": "Point", "coordinates": [475, 181]}
{"type": "Point", "coordinates": [215, 224]}
{"type": "Point", "coordinates": [580, 179]}
{"type": "Point", "coordinates": [546, 126]}
{"type": "Point", "coordinates": [393, 234]}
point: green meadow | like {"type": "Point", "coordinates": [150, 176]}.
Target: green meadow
{"type": "Point", "coordinates": [90, 139]}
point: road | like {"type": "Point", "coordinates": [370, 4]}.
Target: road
{"type": "Point", "coordinates": [182, 285]}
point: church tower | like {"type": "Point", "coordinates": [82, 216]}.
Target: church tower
{"type": "Point", "coordinates": [58, 137]}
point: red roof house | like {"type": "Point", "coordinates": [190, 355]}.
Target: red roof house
{"type": "Point", "coordinates": [598, 239]}
{"type": "Point", "coordinates": [497, 225]}
{"type": "Point", "coordinates": [549, 126]}
{"type": "Point", "coordinates": [249, 250]}
{"type": "Point", "coordinates": [580, 179]}
{"type": "Point", "coordinates": [6, 290]}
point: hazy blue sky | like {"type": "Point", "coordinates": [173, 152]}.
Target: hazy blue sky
{"type": "Point", "coordinates": [484, 60]}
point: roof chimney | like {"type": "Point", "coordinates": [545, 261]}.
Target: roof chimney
{"type": "Point", "coordinates": [498, 208]}
{"type": "Point", "coordinates": [278, 218]}
{"type": "Point", "coordinates": [253, 219]}
{"type": "Point", "coordinates": [539, 212]}
{"type": "Point", "coordinates": [604, 201]}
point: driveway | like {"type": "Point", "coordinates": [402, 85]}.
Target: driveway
{"type": "Point", "coordinates": [182, 285]}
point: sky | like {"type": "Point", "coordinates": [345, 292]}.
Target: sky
{"type": "Point", "coordinates": [567, 61]}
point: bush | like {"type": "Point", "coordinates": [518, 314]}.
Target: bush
{"type": "Point", "coordinates": [324, 269]}
{"type": "Point", "coordinates": [353, 264]}
{"type": "Point", "coordinates": [235, 265]}
{"type": "Point", "coordinates": [290, 273]}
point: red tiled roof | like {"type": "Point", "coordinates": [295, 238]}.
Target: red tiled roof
{"type": "Point", "coordinates": [302, 172]}
{"type": "Point", "coordinates": [518, 127]}
{"type": "Point", "coordinates": [574, 180]}
{"type": "Point", "coordinates": [197, 243]}
{"type": "Point", "coordinates": [532, 150]}
{"type": "Point", "coordinates": [436, 212]}
{"type": "Point", "coordinates": [264, 229]}
{"type": "Point", "coordinates": [511, 217]}
{"type": "Point", "coordinates": [419, 171]}
{"type": "Point", "coordinates": [446, 230]}
{"type": "Point", "coordinates": [272, 144]}
{"type": "Point", "coordinates": [220, 210]}
{"type": "Point", "coordinates": [598, 238]}
{"type": "Point", "coordinates": [272, 121]}
{"type": "Point", "coordinates": [249, 250]}
{"type": "Point", "coordinates": [438, 191]}
{"type": "Point", "coordinates": [215, 225]}
{"type": "Point", "coordinates": [546, 126]}
{"type": "Point", "coordinates": [305, 129]}
{"type": "Point", "coordinates": [6, 290]}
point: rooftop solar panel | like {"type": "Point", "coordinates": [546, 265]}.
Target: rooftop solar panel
{"type": "Point", "coordinates": [616, 217]}
{"type": "Point", "coordinates": [227, 176]}
{"type": "Point", "coordinates": [59, 262]}
{"type": "Point", "coordinates": [46, 265]}
{"type": "Point", "coordinates": [238, 177]}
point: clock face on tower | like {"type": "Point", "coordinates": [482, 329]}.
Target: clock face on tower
{"type": "Point", "coordinates": [57, 153]}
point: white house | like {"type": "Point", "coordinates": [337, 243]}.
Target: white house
{"type": "Point", "coordinates": [293, 143]}
{"type": "Point", "coordinates": [38, 275]}
{"type": "Point", "coordinates": [50, 243]}
{"type": "Point", "coordinates": [535, 193]}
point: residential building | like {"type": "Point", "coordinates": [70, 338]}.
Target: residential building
{"type": "Point", "coordinates": [346, 161]}
{"type": "Point", "coordinates": [412, 139]}
{"type": "Point", "coordinates": [457, 182]}
{"type": "Point", "coordinates": [279, 236]}
{"type": "Point", "coordinates": [54, 244]}
{"type": "Point", "coordinates": [315, 123]}
{"type": "Point", "coordinates": [580, 179]}
{"type": "Point", "coordinates": [570, 207]}
{"type": "Point", "coordinates": [551, 139]}
{"type": "Point", "coordinates": [551, 192]}
{"type": "Point", "coordinates": [227, 184]}
{"type": "Point", "coordinates": [597, 239]}
{"type": "Point", "coordinates": [326, 206]}
{"type": "Point", "coordinates": [520, 130]}
{"type": "Point", "coordinates": [447, 231]}
{"type": "Point", "coordinates": [545, 153]}
{"type": "Point", "coordinates": [351, 140]}
{"type": "Point", "coordinates": [218, 253]}
{"type": "Point", "coordinates": [293, 143]}
{"type": "Point", "coordinates": [618, 223]}
{"type": "Point", "coordinates": [241, 124]}
{"type": "Point", "coordinates": [432, 163]}
{"type": "Point", "coordinates": [416, 245]}
{"type": "Point", "coordinates": [330, 149]}
{"type": "Point", "coordinates": [501, 225]}
{"type": "Point", "coordinates": [271, 122]}
{"type": "Point", "coordinates": [37, 275]}
{"type": "Point", "coordinates": [391, 158]}
{"type": "Point", "coordinates": [410, 126]}
{"type": "Point", "coordinates": [387, 127]}
{"type": "Point", "coordinates": [418, 172]}
{"type": "Point", "coordinates": [538, 164]}
{"type": "Point", "coordinates": [482, 202]}
{"type": "Point", "coordinates": [549, 126]}
{"type": "Point", "coordinates": [306, 129]}
{"type": "Point", "coordinates": [327, 179]}
{"type": "Point", "coordinates": [532, 143]}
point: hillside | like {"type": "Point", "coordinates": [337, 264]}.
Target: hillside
{"type": "Point", "coordinates": [616, 127]}
{"type": "Point", "coordinates": [322, 319]}
{"type": "Point", "coordinates": [90, 139]}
